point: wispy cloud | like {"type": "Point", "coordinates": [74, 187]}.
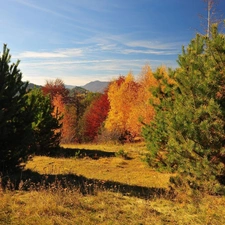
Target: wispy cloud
{"type": "Point", "coordinates": [162, 45]}
{"type": "Point", "coordinates": [150, 51]}
{"type": "Point", "coordinates": [62, 53]}
{"type": "Point", "coordinates": [81, 65]}
{"type": "Point", "coordinates": [125, 44]}
{"type": "Point", "coordinates": [79, 72]}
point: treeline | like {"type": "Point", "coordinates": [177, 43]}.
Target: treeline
{"type": "Point", "coordinates": [118, 114]}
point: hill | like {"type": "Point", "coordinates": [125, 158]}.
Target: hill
{"type": "Point", "coordinates": [77, 89]}
{"type": "Point", "coordinates": [31, 86]}
{"type": "Point", "coordinates": [93, 86]}
{"type": "Point", "coordinates": [96, 86]}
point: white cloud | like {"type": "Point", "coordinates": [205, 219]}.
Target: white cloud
{"type": "Point", "coordinates": [62, 53]}
{"type": "Point", "coordinates": [155, 44]}
{"type": "Point", "coordinates": [150, 51]}
{"type": "Point", "coordinates": [42, 55]}
{"type": "Point", "coordinates": [126, 44]}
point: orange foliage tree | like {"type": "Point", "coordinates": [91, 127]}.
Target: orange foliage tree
{"type": "Point", "coordinates": [64, 105]}
{"type": "Point", "coordinates": [68, 110]}
{"type": "Point", "coordinates": [130, 106]}
{"type": "Point", "coordinates": [142, 112]}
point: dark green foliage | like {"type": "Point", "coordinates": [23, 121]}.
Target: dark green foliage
{"type": "Point", "coordinates": [46, 126]}
{"type": "Point", "coordinates": [15, 116]}
{"type": "Point", "coordinates": [27, 124]}
{"type": "Point", "coordinates": [187, 135]}
{"type": "Point", "coordinates": [77, 90]}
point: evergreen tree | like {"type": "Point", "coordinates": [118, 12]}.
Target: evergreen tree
{"type": "Point", "coordinates": [46, 124]}
{"type": "Point", "coordinates": [15, 116]}
{"type": "Point", "coordinates": [187, 135]}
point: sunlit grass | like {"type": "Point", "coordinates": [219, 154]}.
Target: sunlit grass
{"type": "Point", "coordinates": [133, 171]}
{"type": "Point", "coordinates": [60, 204]}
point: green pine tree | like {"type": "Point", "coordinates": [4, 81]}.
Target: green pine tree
{"type": "Point", "coordinates": [15, 116]}
{"type": "Point", "coordinates": [187, 135]}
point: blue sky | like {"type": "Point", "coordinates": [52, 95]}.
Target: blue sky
{"type": "Point", "coordinates": [85, 40]}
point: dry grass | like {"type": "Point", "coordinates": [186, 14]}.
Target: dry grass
{"type": "Point", "coordinates": [60, 204]}
{"type": "Point", "coordinates": [131, 171]}
{"type": "Point", "coordinates": [63, 207]}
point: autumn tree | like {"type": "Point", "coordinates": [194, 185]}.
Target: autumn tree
{"type": "Point", "coordinates": [84, 102]}
{"type": "Point", "coordinates": [129, 104]}
{"type": "Point", "coordinates": [94, 117]}
{"type": "Point", "coordinates": [122, 94]}
{"type": "Point", "coordinates": [55, 87]}
{"type": "Point", "coordinates": [66, 107]}
{"type": "Point", "coordinates": [142, 112]}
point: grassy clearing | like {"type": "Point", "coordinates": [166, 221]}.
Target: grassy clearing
{"type": "Point", "coordinates": [131, 171]}
{"type": "Point", "coordinates": [93, 165]}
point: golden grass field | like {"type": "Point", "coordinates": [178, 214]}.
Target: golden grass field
{"type": "Point", "coordinates": [100, 184]}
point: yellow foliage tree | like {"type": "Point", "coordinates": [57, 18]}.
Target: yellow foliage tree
{"type": "Point", "coordinates": [129, 100]}
{"type": "Point", "coordinates": [142, 111]}
{"type": "Point", "coordinates": [121, 96]}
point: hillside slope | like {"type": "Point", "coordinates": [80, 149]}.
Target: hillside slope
{"type": "Point", "coordinates": [96, 86]}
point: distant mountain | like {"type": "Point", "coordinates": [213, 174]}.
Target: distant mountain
{"type": "Point", "coordinates": [96, 86]}
{"type": "Point", "coordinates": [70, 86]}
{"type": "Point", "coordinates": [93, 86]}
{"type": "Point", "coordinates": [32, 86]}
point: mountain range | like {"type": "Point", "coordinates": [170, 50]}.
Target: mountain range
{"type": "Point", "coordinates": [93, 86]}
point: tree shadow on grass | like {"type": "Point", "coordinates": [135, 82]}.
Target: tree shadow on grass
{"type": "Point", "coordinates": [81, 153]}
{"type": "Point", "coordinates": [28, 180]}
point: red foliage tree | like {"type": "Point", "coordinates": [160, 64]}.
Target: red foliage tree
{"type": "Point", "coordinates": [65, 105]}
{"type": "Point", "coordinates": [95, 116]}
{"type": "Point", "coordinates": [54, 88]}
